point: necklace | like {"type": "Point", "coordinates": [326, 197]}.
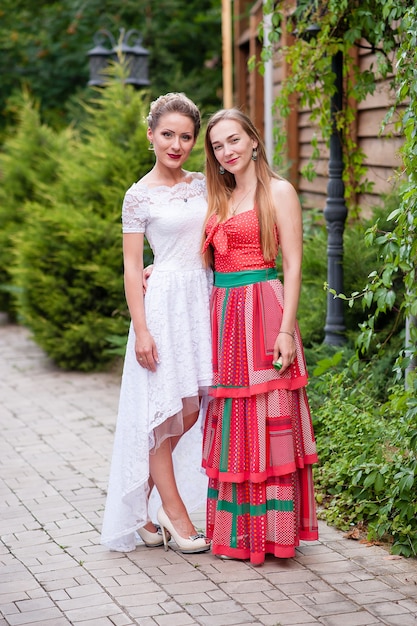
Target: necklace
{"type": "Point", "coordinates": [235, 207]}
{"type": "Point", "coordinates": [185, 195]}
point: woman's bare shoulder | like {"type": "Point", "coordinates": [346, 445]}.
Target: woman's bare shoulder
{"type": "Point", "coordinates": [282, 186]}
{"type": "Point", "coordinates": [195, 176]}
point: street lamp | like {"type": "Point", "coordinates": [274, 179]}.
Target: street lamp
{"type": "Point", "coordinates": [134, 53]}
{"type": "Point", "coordinates": [335, 211]}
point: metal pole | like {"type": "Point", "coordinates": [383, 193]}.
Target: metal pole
{"type": "Point", "coordinates": [335, 213]}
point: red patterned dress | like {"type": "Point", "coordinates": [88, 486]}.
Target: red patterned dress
{"type": "Point", "coordinates": [258, 446]}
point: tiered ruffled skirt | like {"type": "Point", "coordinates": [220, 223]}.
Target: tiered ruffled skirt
{"type": "Point", "coordinates": [259, 444]}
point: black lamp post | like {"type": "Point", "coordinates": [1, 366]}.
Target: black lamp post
{"type": "Point", "coordinates": [335, 211]}
{"type": "Point", "coordinates": [135, 54]}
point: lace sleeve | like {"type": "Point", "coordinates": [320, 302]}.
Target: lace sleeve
{"type": "Point", "coordinates": [135, 211]}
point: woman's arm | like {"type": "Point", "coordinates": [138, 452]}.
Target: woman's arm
{"type": "Point", "coordinates": [290, 229]}
{"type": "Point", "coordinates": [145, 348]}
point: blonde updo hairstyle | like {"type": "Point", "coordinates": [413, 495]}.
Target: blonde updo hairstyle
{"type": "Point", "coordinates": [174, 103]}
{"type": "Point", "coordinates": [220, 186]}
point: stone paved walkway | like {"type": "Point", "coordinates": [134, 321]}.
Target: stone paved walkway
{"type": "Point", "coordinates": [55, 445]}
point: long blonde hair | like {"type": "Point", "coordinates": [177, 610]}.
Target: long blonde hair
{"type": "Point", "coordinates": [220, 186]}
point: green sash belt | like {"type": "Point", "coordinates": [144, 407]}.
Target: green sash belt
{"type": "Point", "coordinates": [247, 277]}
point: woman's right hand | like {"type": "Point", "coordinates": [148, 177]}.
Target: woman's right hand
{"type": "Point", "coordinates": [146, 351]}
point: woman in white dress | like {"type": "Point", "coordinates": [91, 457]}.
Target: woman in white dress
{"type": "Point", "coordinates": [167, 368]}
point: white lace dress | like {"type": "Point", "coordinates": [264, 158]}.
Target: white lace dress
{"type": "Point", "coordinates": [152, 404]}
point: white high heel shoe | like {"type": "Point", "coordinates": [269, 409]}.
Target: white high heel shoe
{"type": "Point", "coordinates": [150, 539]}
{"type": "Point", "coordinates": [195, 543]}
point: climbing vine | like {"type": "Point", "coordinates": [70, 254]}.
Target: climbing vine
{"type": "Point", "coordinates": [399, 245]}
{"type": "Point", "coordinates": [388, 28]}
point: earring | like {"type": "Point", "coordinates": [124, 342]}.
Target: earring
{"type": "Point", "coordinates": [254, 154]}
{"type": "Point", "coordinates": [221, 169]}
{"type": "Point", "coordinates": [151, 147]}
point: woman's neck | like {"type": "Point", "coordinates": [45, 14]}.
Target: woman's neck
{"type": "Point", "coordinates": [168, 176]}
{"type": "Point", "coordinates": [245, 182]}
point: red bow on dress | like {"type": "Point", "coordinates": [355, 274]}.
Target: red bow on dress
{"type": "Point", "coordinates": [217, 237]}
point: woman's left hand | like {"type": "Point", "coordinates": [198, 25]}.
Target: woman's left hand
{"type": "Point", "coordinates": [285, 349]}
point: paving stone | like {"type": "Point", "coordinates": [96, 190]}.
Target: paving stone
{"type": "Point", "coordinates": [400, 620]}
{"type": "Point", "coordinates": [146, 610]}
{"type": "Point", "coordinates": [251, 597]}
{"type": "Point", "coordinates": [319, 598]}
{"type": "Point", "coordinates": [176, 589]}
{"type": "Point", "coordinates": [34, 605]}
{"type": "Point", "coordinates": [292, 589]}
{"type": "Point", "coordinates": [255, 609]}
{"type": "Point", "coordinates": [121, 620]}
{"type": "Point", "coordinates": [33, 617]}
{"type": "Point", "coordinates": [297, 576]}
{"type": "Point", "coordinates": [158, 597]}
{"type": "Point", "coordinates": [229, 619]}
{"type": "Point", "coordinates": [193, 598]}
{"type": "Point", "coordinates": [81, 602]}
{"type": "Point", "coordinates": [226, 606]}
{"type": "Point", "coordinates": [60, 621]}
{"type": "Point", "coordinates": [147, 621]}
{"type": "Point", "coordinates": [385, 609]}
{"type": "Point", "coordinates": [179, 619]}
{"type": "Point", "coordinates": [196, 610]}
{"type": "Point", "coordinates": [145, 587]}
{"type": "Point", "coordinates": [360, 618]}
{"type": "Point", "coordinates": [92, 612]}
{"type": "Point", "coordinates": [378, 597]}
{"type": "Point", "coordinates": [299, 618]}
{"type": "Point", "coordinates": [410, 605]}
{"type": "Point", "coordinates": [247, 586]}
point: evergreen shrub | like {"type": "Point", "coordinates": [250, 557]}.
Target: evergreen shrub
{"type": "Point", "coordinates": [69, 270]}
{"type": "Point", "coordinates": [67, 267]}
{"type": "Point", "coordinates": [27, 171]}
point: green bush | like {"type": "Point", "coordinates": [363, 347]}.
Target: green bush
{"type": "Point", "coordinates": [67, 269]}
{"type": "Point", "coordinates": [28, 169]}
{"type": "Point", "coordinates": [366, 431]}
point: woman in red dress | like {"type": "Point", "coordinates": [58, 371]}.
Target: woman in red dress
{"type": "Point", "coordinates": [259, 445]}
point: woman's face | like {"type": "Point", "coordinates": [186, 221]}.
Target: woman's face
{"type": "Point", "coordinates": [173, 139]}
{"type": "Point", "coordinates": [232, 146]}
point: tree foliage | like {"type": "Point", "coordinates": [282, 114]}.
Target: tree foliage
{"type": "Point", "coordinates": [44, 47]}
{"type": "Point", "coordinates": [28, 166]}
{"type": "Point", "coordinates": [399, 245]}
